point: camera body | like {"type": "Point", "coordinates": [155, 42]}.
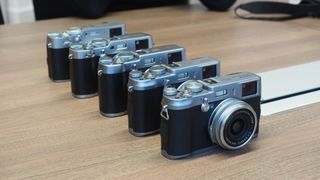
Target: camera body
{"type": "Point", "coordinates": [113, 74]}
{"type": "Point", "coordinates": [145, 90]}
{"type": "Point", "coordinates": [84, 59]}
{"type": "Point", "coordinates": [223, 111]}
{"type": "Point", "coordinates": [58, 44]}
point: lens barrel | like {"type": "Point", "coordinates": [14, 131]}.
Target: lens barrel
{"type": "Point", "coordinates": [232, 124]}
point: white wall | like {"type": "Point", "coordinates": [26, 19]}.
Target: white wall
{"type": "Point", "coordinates": [17, 11]}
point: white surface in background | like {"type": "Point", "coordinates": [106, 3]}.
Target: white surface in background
{"type": "Point", "coordinates": [290, 80]}
{"type": "Point", "coordinates": [17, 11]}
{"type": "Point", "coordinates": [287, 81]}
{"type": "Point", "coordinates": [290, 103]}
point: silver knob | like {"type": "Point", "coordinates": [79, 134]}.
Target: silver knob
{"type": "Point", "coordinates": [105, 60]}
{"type": "Point", "coordinates": [170, 91]}
{"type": "Point", "coordinates": [74, 30]}
{"type": "Point", "coordinates": [194, 86]}
{"type": "Point", "coordinates": [76, 46]}
{"type": "Point", "coordinates": [99, 42]}
{"type": "Point", "coordinates": [123, 57]}
{"type": "Point", "coordinates": [157, 70]}
{"type": "Point", "coordinates": [187, 94]}
{"type": "Point", "coordinates": [135, 74]}
{"type": "Point", "coordinates": [205, 105]}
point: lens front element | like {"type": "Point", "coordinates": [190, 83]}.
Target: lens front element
{"type": "Point", "coordinates": [239, 127]}
{"type": "Point", "coordinates": [232, 124]}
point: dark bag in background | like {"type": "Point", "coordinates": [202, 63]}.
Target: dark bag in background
{"type": "Point", "coordinates": [277, 11]}
{"type": "Point", "coordinates": [47, 9]}
{"type": "Point", "coordinates": [267, 10]}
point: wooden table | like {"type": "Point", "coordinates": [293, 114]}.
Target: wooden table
{"type": "Point", "coordinates": [45, 133]}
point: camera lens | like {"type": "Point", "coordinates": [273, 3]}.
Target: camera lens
{"type": "Point", "coordinates": [232, 124]}
{"type": "Point", "coordinates": [239, 127]}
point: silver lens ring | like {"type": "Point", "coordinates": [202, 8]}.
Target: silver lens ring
{"type": "Point", "coordinates": [221, 115]}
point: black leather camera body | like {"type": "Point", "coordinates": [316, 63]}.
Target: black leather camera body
{"type": "Point", "coordinates": [84, 59]}
{"type": "Point", "coordinates": [113, 74]}
{"type": "Point", "coordinates": [223, 111]}
{"type": "Point", "coordinates": [58, 44]}
{"type": "Point", "coordinates": [145, 90]}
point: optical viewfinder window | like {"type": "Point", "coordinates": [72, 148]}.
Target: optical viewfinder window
{"type": "Point", "coordinates": [249, 88]}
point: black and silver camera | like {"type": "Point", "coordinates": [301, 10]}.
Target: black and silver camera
{"type": "Point", "coordinates": [84, 59]}
{"type": "Point", "coordinates": [58, 45]}
{"type": "Point", "coordinates": [113, 74]}
{"type": "Point", "coordinates": [145, 90]}
{"type": "Point", "coordinates": [223, 111]}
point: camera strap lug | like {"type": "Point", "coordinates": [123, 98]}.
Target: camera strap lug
{"type": "Point", "coordinates": [166, 83]}
{"type": "Point", "coordinates": [130, 89]}
{"type": "Point", "coordinates": [67, 43]}
{"type": "Point", "coordinates": [164, 112]}
{"type": "Point", "coordinates": [205, 105]}
{"type": "Point", "coordinates": [99, 72]}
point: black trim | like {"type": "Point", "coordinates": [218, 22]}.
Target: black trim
{"type": "Point", "coordinates": [1, 18]}
{"type": "Point", "coordinates": [290, 95]}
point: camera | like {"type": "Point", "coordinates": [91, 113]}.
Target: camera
{"type": "Point", "coordinates": [223, 111]}
{"type": "Point", "coordinates": [84, 59]}
{"type": "Point", "coordinates": [145, 90]}
{"type": "Point", "coordinates": [113, 74]}
{"type": "Point", "coordinates": [58, 45]}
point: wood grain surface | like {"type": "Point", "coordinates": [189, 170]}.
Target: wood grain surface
{"type": "Point", "coordinates": [45, 133]}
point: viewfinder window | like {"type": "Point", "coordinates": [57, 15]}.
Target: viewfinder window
{"type": "Point", "coordinates": [249, 88]}
{"type": "Point", "coordinates": [115, 32]}
{"type": "Point", "coordinates": [209, 71]}
{"type": "Point", "coordinates": [142, 44]}
{"type": "Point", "coordinates": [174, 57]}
